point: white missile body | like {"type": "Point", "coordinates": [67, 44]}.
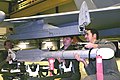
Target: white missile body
{"type": "Point", "coordinates": [38, 55]}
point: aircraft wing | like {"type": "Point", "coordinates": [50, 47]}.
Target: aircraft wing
{"type": "Point", "coordinates": [41, 27]}
{"type": "Point", "coordinates": [101, 19]}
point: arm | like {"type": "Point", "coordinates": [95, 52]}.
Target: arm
{"type": "Point", "coordinates": [90, 68]}
{"type": "Point", "coordinates": [106, 44]}
{"type": "Point", "coordinates": [101, 44]}
{"type": "Point", "coordinates": [81, 60]}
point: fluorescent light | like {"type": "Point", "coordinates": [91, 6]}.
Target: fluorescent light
{"type": "Point", "coordinates": [23, 45]}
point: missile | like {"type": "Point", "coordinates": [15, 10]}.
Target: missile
{"type": "Point", "coordinates": [2, 16]}
{"type": "Point", "coordinates": [35, 55]}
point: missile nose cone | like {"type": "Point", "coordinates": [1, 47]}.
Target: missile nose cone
{"type": "Point", "coordinates": [2, 16]}
{"type": "Point", "coordinates": [106, 53]}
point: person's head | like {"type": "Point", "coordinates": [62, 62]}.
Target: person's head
{"type": "Point", "coordinates": [8, 44]}
{"type": "Point", "coordinates": [91, 35]}
{"type": "Point", "coordinates": [67, 40]}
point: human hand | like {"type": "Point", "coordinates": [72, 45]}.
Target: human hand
{"type": "Point", "coordinates": [60, 60]}
{"type": "Point", "coordinates": [77, 56]}
{"type": "Point", "coordinates": [91, 45]}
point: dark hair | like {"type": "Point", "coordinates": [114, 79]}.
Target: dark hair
{"type": "Point", "coordinates": [69, 36]}
{"type": "Point", "coordinates": [7, 41]}
{"type": "Point", "coordinates": [94, 31]}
